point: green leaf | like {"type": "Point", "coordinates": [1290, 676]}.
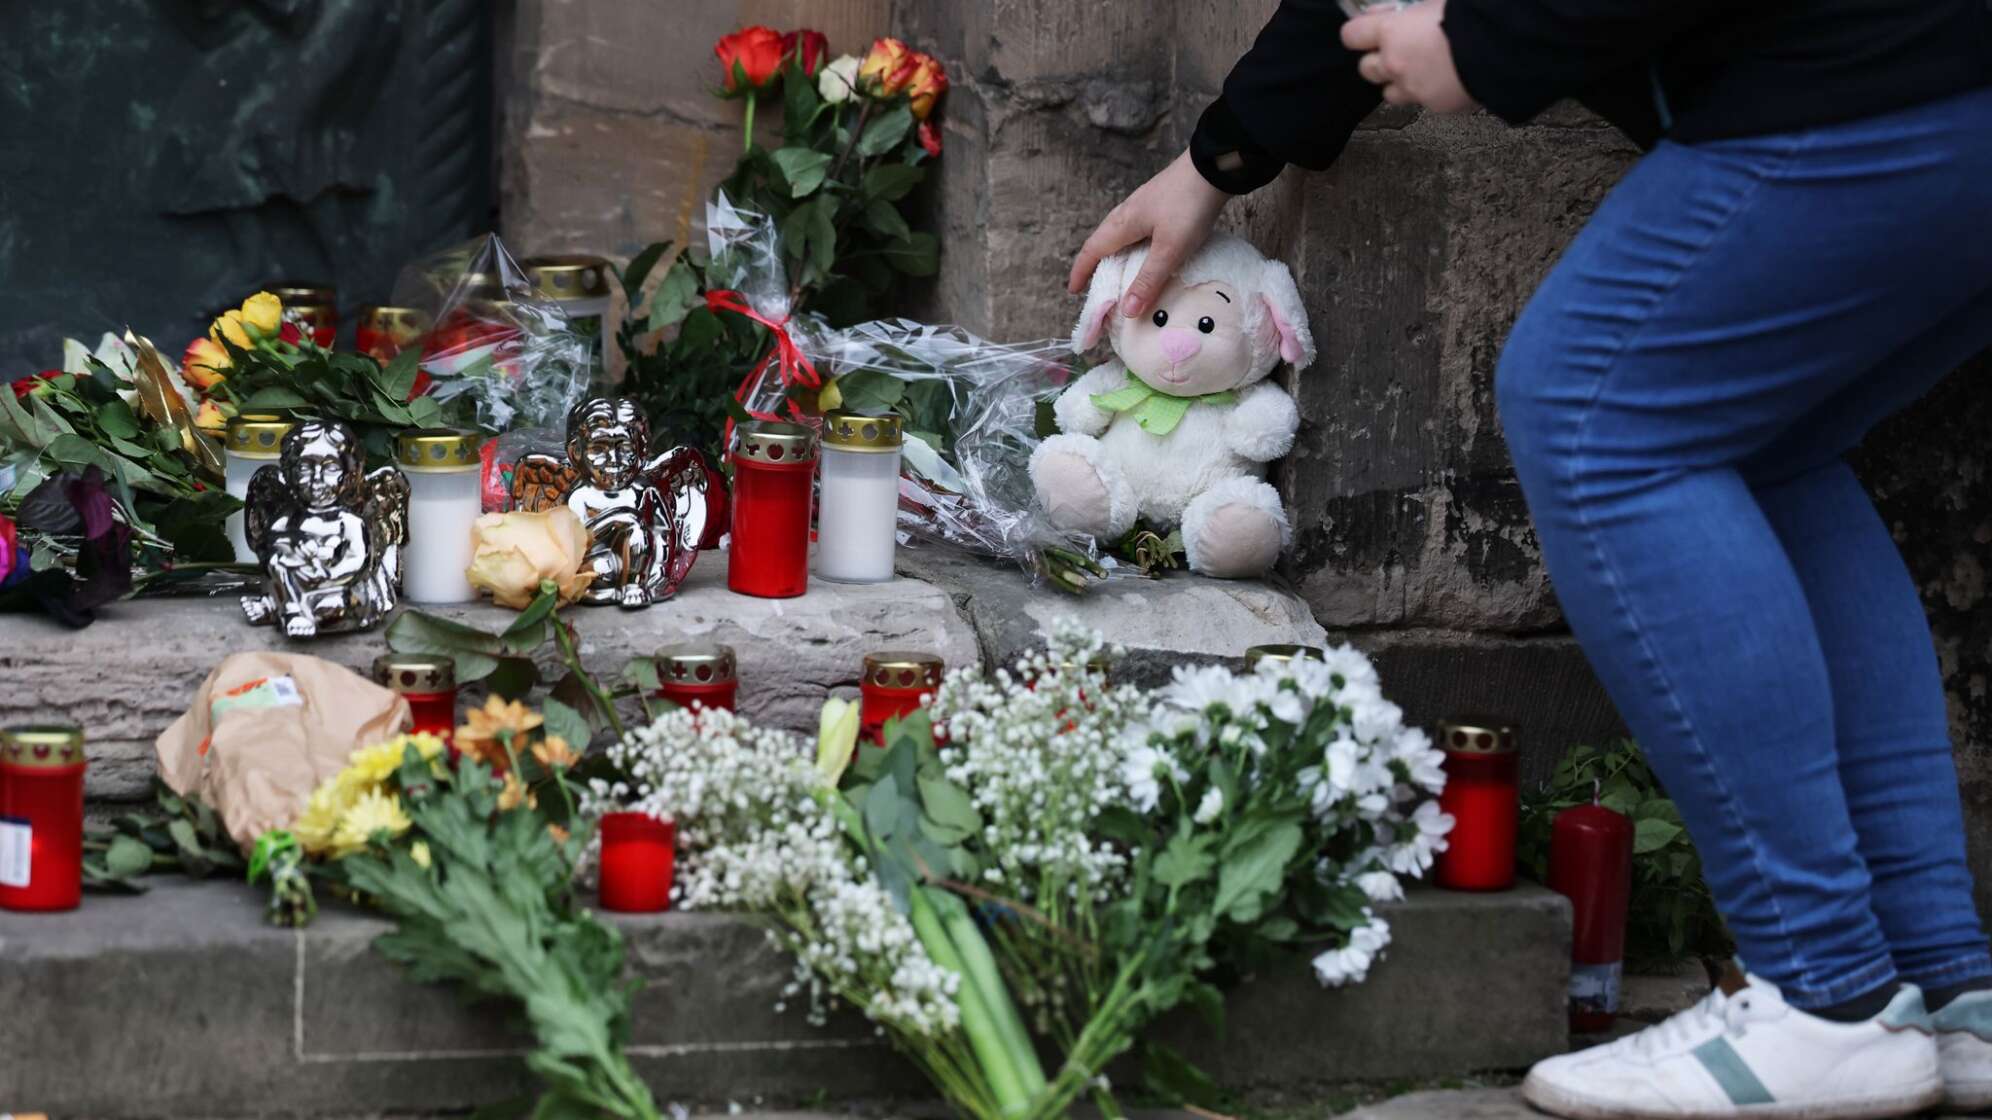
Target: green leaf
{"type": "Point", "coordinates": [884, 219]}
{"type": "Point", "coordinates": [275, 397]}
{"type": "Point", "coordinates": [882, 809]}
{"type": "Point", "coordinates": [510, 677]}
{"type": "Point", "coordinates": [642, 672]}
{"type": "Point", "coordinates": [1254, 868]}
{"type": "Point", "coordinates": [527, 632]}
{"type": "Point", "coordinates": [873, 392]}
{"type": "Point", "coordinates": [1186, 860]}
{"type": "Point", "coordinates": [397, 380]}
{"type": "Point", "coordinates": [918, 255]}
{"type": "Point", "coordinates": [639, 269]}
{"type": "Point", "coordinates": [948, 804]}
{"type": "Point", "coordinates": [1653, 834]}
{"type": "Point", "coordinates": [1175, 1078]}
{"type": "Point", "coordinates": [803, 168]}
{"type": "Point", "coordinates": [116, 418]}
{"type": "Point", "coordinates": [567, 723]}
{"type": "Point", "coordinates": [675, 297]}
{"type": "Point", "coordinates": [128, 857]}
{"type": "Point", "coordinates": [892, 181]}
{"type": "Point", "coordinates": [885, 131]}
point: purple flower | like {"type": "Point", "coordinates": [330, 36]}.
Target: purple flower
{"type": "Point", "coordinates": [78, 509]}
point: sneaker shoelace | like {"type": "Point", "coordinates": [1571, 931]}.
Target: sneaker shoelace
{"type": "Point", "coordinates": [1690, 1028]}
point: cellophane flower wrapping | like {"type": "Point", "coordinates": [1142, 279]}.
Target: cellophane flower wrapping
{"type": "Point", "coordinates": [493, 341]}
{"type": "Point", "coordinates": [972, 408]}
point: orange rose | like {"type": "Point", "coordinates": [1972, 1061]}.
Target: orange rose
{"type": "Point", "coordinates": [888, 66]}
{"type": "Point", "coordinates": [750, 58]}
{"type": "Point", "coordinates": [205, 364]}
{"type": "Point", "coordinates": [210, 419]}
{"type": "Point", "coordinates": [928, 83]}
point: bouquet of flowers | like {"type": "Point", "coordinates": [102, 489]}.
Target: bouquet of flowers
{"type": "Point", "coordinates": [1043, 857]}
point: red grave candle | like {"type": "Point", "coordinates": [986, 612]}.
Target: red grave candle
{"type": "Point", "coordinates": [639, 853]}
{"type": "Point", "coordinates": [1590, 863]}
{"type": "Point", "coordinates": [382, 332]}
{"type": "Point", "coordinates": [698, 675]}
{"type": "Point", "coordinates": [1483, 795]}
{"type": "Point", "coordinates": [774, 468]}
{"type": "Point", "coordinates": [893, 684]}
{"type": "Point", "coordinates": [41, 818]}
{"type": "Point", "coordinates": [428, 682]}
{"type": "Point", "coordinates": [312, 308]}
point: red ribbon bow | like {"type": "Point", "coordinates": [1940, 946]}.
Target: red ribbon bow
{"type": "Point", "coordinates": [791, 365]}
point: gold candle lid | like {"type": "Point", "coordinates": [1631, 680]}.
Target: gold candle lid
{"type": "Point", "coordinates": [1477, 737]}
{"type": "Point", "coordinates": [775, 441]}
{"type": "Point", "coordinates": [438, 449]}
{"type": "Point", "coordinates": [1283, 653]}
{"type": "Point", "coordinates": [403, 323]}
{"type": "Point", "coordinates": [304, 295]}
{"type": "Point", "coordinates": [697, 663]}
{"type": "Point", "coordinates": [903, 669]}
{"type": "Point", "coordinates": [568, 276]}
{"type": "Point", "coordinates": [46, 746]}
{"type": "Point", "coordinates": [415, 672]}
{"type": "Point", "coordinates": [256, 435]}
{"type": "Point", "coordinates": [850, 431]}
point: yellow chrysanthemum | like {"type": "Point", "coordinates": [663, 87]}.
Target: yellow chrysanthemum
{"type": "Point", "coordinates": [377, 763]}
{"type": "Point", "coordinates": [419, 852]}
{"type": "Point", "coordinates": [374, 812]}
{"type": "Point", "coordinates": [515, 794]}
{"type": "Point", "coordinates": [554, 753]}
{"type": "Point", "coordinates": [481, 736]}
{"type": "Point", "coordinates": [320, 820]}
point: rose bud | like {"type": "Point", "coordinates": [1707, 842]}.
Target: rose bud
{"type": "Point", "coordinates": [750, 58]}
{"type": "Point", "coordinates": [808, 48]}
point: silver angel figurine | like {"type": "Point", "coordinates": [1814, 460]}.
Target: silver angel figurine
{"type": "Point", "coordinates": [328, 534]}
{"type": "Point", "coordinates": [645, 516]}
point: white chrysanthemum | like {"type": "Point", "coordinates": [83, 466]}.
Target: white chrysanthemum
{"type": "Point", "coordinates": [1380, 886]}
{"type": "Point", "coordinates": [1211, 805]}
{"type": "Point", "coordinates": [1351, 963]}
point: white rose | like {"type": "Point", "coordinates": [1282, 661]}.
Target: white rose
{"type": "Point", "coordinates": [838, 82]}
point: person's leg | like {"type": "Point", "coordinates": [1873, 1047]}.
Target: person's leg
{"type": "Point", "coordinates": [1889, 716]}
{"type": "Point", "coordinates": [1722, 293]}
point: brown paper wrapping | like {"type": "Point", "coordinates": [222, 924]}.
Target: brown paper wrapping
{"type": "Point", "coordinates": [258, 767]}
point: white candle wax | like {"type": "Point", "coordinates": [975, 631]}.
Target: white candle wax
{"type": "Point", "coordinates": [441, 507]}
{"type": "Point", "coordinates": [236, 472]}
{"type": "Point", "coordinates": [858, 515]}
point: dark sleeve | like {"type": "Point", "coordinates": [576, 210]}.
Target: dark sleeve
{"type": "Point", "coordinates": [1294, 98]}
{"type": "Point", "coordinates": [1518, 57]}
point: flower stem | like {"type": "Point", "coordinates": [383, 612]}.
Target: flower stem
{"type": "Point", "coordinates": [747, 134]}
{"type": "Point", "coordinates": [571, 657]}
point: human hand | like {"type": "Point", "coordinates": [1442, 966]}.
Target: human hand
{"type": "Point", "coordinates": [1174, 211]}
{"type": "Point", "coordinates": [1407, 53]}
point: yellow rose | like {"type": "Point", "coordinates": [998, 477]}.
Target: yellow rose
{"type": "Point", "coordinates": [928, 83]}
{"type": "Point", "coordinates": [205, 364]}
{"type": "Point", "coordinates": [211, 419]}
{"type": "Point", "coordinates": [512, 552]}
{"type": "Point", "coordinates": [230, 327]}
{"type": "Point", "coordinates": [263, 312]}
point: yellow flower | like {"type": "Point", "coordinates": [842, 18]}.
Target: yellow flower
{"type": "Point", "coordinates": [230, 327]}
{"type": "Point", "coordinates": [554, 753]}
{"type": "Point", "coordinates": [375, 812]}
{"type": "Point", "coordinates": [512, 552]}
{"type": "Point", "coordinates": [419, 852]}
{"type": "Point", "coordinates": [887, 67]}
{"type": "Point", "coordinates": [830, 396]}
{"type": "Point", "coordinates": [210, 419]}
{"type": "Point", "coordinates": [558, 833]}
{"type": "Point", "coordinates": [515, 794]}
{"type": "Point", "coordinates": [320, 819]}
{"type": "Point", "coordinates": [379, 762]}
{"type": "Point", "coordinates": [836, 739]}
{"type": "Point", "coordinates": [263, 312]}
{"type": "Point", "coordinates": [480, 737]}
{"type": "Point", "coordinates": [928, 83]}
{"type": "Point", "coordinates": [205, 364]}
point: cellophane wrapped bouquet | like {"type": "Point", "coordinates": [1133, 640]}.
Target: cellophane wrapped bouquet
{"type": "Point", "coordinates": [1043, 861]}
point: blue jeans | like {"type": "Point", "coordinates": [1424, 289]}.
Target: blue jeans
{"type": "Point", "coordinates": [1679, 397]}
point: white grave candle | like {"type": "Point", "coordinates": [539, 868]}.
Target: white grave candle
{"type": "Point", "coordinates": [254, 440]}
{"type": "Point", "coordinates": [443, 468]}
{"type": "Point", "coordinates": [857, 523]}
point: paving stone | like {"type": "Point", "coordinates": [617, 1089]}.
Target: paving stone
{"type": "Point", "coordinates": [1450, 1104]}
{"type": "Point", "coordinates": [183, 1002]}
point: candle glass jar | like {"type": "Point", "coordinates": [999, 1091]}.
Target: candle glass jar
{"type": "Point", "coordinates": [774, 464]}
{"type": "Point", "coordinates": [1484, 796]}
{"type": "Point", "coordinates": [1279, 654]}
{"type": "Point", "coordinates": [1590, 863]}
{"type": "Point", "coordinates": [639, 853]}
{"type": "Point", "coordinates": [312, 308]}
{"type": "Point", "coordinates": [382, 332]}
{"type": "Point", "coordinates": [428, 682]}
{"type": "Point", "coordinates": [698, 675]}
{"type": "Point", "coordinates": [894, 683]}
{"type": "Point", "coordinates": [857, 523]}
{"type": "Point", "coordinates": [254, 439]}
{"type": "Point", "coordinates": [41, 818]}
{"type": "Point", "coordinates": [579, 284]}
{"type": "Point", "coordinates": [444, 471]}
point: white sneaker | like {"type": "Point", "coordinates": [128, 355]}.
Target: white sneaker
{"type": "Point", "coordinates": [1964, 1049]}
{"type": "Point", "coordinates": [1744, 1052]}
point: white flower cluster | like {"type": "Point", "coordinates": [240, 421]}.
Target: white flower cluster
{"type": "Point", "coordinates": [1041, 750]}
{"type": "Point", "coordinates": [1374, 782]}
{"type": "Point", "coordinates": [753, 835]}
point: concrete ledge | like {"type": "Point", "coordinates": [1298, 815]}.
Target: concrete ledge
{"type": "Point", "coordinates": [182, 1002]}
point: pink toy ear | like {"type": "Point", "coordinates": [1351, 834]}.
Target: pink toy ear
{"type": "Point", "coordinates": [1293, 350]}
{"type": "Point", "coordinates": [1093, 324]}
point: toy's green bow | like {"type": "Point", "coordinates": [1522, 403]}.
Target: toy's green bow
{"type": "Point", "coordinates": [1157, 412]}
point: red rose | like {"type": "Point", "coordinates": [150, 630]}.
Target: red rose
{"type": "Point", "coordinates": [421, 384]}
{"type": "Point", "coordinates": [750, 57]}
{"type": "Point", "coordinates": [807, 47]}
{"type": "Point", "coordinates": [287, 331]}
{"type": "Point", "coordinates": [930, 138]}
{"type": "Point", "coordinates": [26, 385]}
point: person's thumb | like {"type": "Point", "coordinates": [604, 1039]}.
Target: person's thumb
{"type": "Point", "coordinates": [1156, 269]}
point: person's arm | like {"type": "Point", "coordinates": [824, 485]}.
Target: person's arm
{"type": "Point", "coordinates": [1294, 98]}
{"type": "Point", "coordinates": [1518, 57]}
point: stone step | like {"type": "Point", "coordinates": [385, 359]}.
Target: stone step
{"type": "Point", "coordinates": [183, 1001]}
{"type": "Point", "coordinates": [125, 678]}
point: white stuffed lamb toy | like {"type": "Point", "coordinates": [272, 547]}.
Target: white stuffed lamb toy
{"type": "Point", "coordinates": [1178, 427]}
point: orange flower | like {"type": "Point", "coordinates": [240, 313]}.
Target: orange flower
{"type": "Point", "coordinates": [485, 735]}
{"type": "Point", "coordinates": [210, 419]}
{"type": "Point", "coordinates": [515, 794]}
{"type": "Point", "coordinates": [888, 66]}
{"type": "Point", "coordinates": [928, 82]}
{"type": "Point", "coordinates": [558, 833]}
{"type": "Point", "coordinates": [554, 753]}
{"type": "Point", "coordinates": [750, 58]}
{"type": "Point", "coordinates": [930, 137]}
{"type": "Point", "coordinates": [205, 364]}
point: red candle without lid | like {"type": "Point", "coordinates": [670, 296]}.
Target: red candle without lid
{"type": "Point", "coordinates": [639, 853]}
{"type": "Point", "coordinates": [774, 471]}
{"type": "Point", "coordinates": [1590, 863]}
{"type": "Point", "coordinates": [41, 818]}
